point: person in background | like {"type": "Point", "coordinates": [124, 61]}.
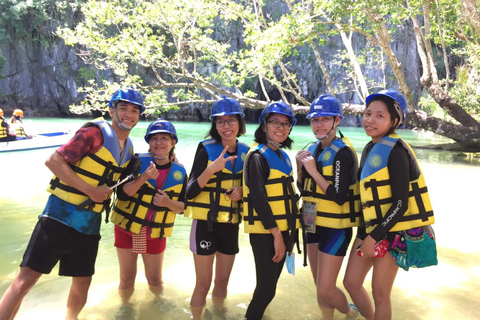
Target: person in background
{"type": "Point", "coordinates": [270, 213]}
{"type": "Point", "coordinates": [68, 230]}
{"type": "Point", "coordinates": [6, 133]}
{"type": "Point", "coordinates": [17, 124]}
{"type": "Point", "coordinates": [145, 211]}
{"type": "Point", "coordinates": [214, 193]}
{"type": "Point", "coordinates": [388, 171]}
{"type": "Point", "coordinates": [327, 178]}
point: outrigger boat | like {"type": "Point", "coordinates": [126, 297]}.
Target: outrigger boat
{"type": "Point", "coordinates": [38, 141]}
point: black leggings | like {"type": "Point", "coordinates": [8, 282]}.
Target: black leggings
{"type": "Point", "coordinates": [267, 273]}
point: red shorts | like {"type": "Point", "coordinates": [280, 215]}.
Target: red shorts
{"type": "Point", "coordinates": [139, 244]}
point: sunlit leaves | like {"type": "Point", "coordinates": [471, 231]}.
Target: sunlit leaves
{"type": "Point", "coordinates": [198, 48]}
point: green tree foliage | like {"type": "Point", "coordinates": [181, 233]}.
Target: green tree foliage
{"type": "Point", "coordinates": [172, 39]}
{"type": "Point", "coordinates": [19, 19]}
{"type": "Point", "coordinates": [185, 46]}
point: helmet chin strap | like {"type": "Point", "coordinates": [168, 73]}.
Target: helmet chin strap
{"type": "Point", "coordinates": [160, 158]}
{"type": "Point", "coordinates": [273, 143]}
{"type": "Point", "coordinates": [322, 137]}
{"type": "Point", "coordinates": [120, 124]}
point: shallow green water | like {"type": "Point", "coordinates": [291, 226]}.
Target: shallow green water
{"type": "Point", "coordinates": [447, 291]}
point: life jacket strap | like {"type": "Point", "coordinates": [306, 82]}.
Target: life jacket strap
{"type": "Point", "coordinates": [304, 237]}
{"type": "Point", "coordinates": [417, 193]}
{"type": "Point", "coordinates": [291, 199]}
{"type": "Point", "coordinates": [152, 224]}
{"type": "Point", "coordinates": [146, 190]}
{"type": "Point", "coordinates": [374, 184]}
{"type": "Point", "coordinates": [351, 198]}
{"type": "Point", "coordinates": [212, 214]}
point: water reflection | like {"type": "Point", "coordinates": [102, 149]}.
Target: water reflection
{"type": "Point", "coordinates": [447, 291]}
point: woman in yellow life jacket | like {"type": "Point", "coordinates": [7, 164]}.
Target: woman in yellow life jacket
{"type": "Point", "coordinates": [394, 198]}
{"type": "Point", "coordinates": [17, 123]}
{"type": "Point", "coordinates": [214, 193]}
{"type": "Point", "coordinates": [327, 178]}
{"type": "Point", "coordinates": [145, 210]}
{"type": "Point", "coordinates": [5, 130]}
{"type": "Point", "coordinates": [270, 210]}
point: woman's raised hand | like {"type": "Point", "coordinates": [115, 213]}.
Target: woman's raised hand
{"type": "Point", "coordinates": [151, 172]}
{"type": "Point", "coordinates": [220, 162]}
{"type": "Point", "coordinates": [300, 156]}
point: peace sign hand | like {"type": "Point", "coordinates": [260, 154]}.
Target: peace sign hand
{"type": "Point", "coordinates": [220, 162]}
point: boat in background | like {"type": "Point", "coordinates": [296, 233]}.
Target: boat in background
{"type": "Point", "coordinates": [38, 141]}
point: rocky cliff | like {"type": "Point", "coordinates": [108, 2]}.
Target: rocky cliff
{"type": "Point", "coordinates": [42, 75]}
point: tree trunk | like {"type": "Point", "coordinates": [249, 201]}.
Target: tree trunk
{"type": "Point", "coordinates": [347, 42]}
{"type": "Point", "coordinates": [383, 38]}
{"type": "Point", "coordinates": [458, 133]}
{"type": "Point", "coordinates": [320, 62]}
{"type": "Point", "coordinates": [449, 104]}
{"type": "Point", "coordinates": [430, 82]}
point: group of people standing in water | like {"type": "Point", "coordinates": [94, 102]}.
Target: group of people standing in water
{"type": "Point", "coordinates": [231, 182]}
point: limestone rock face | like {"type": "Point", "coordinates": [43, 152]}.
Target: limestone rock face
{"type": "Point", "coordinates": [42, 75]}
{"type": "Point", "coordinates": [39, 77]}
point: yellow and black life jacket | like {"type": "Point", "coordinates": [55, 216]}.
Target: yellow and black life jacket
{"type": "Point", "coordinates": [376, 193]}
{"type": "Point", "coordinates": [3, 130]}
{"type": "Point", "coordinates": [102, 168]}
{"type": "Point", "coordinates": [281, 194]}
{"type": "Point", "coordinates": [131, 214]}
{"type": "Point", "coordinates": [329, 213]}
{"type": "Point", "coordinates": [19, 130]}
{"type": "Point", "coordinates": [211, 204]}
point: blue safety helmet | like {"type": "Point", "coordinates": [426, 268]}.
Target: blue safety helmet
{"type": "Point", "coordinates": [401, 103]}
{"type": "Point", "coordinates": [128, 95]}
{"type": "Point", "coordinates": [325, 106]}
{"type": "Point", "coordinates": [160, 126]}
{"type": "Point", "coordinates": [278, 107]}
{"type": "Point", "coordinates": [225, 107]}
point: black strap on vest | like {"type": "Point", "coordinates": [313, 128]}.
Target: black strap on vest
{"type": "Point", "coordinates": [374, 184]}
{"type": "Point", "coordinates": [416, 192]}
{"type": "Point", "coordinates": [212, 215]}
{"type": "Point", "coordinates": [304, 237]}
{"type": "Point", "coordinates": [250, 218]}
{"type": "Point", "coordinates": [131, 217]}
{"type": "Point", "coordinates": [292, 214]}
{"type": "Point", "coordinates": [351, 198]}
{"type": "Point", "coordinates": [215, 193]}
{"type": "Point", "coordinates": [105, 179]}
